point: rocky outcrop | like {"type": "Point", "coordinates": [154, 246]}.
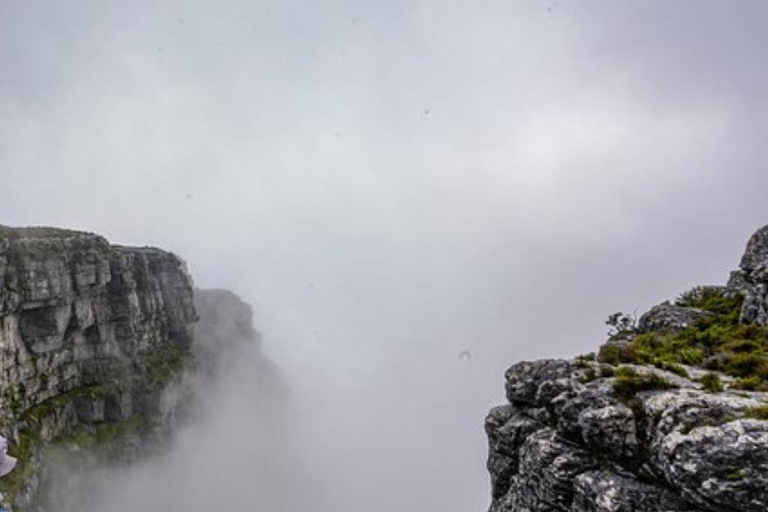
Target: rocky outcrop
{"type": "Point", "coordinates": [752, 279]}
{"type": "Point", "coordinates": [90, 334]}
{"type": "Point", "coordinates": [587, 436]}
{"type": "Point", "coordinates": [668, 317]}
{"type": "Point", "coordinates": [568, 441]}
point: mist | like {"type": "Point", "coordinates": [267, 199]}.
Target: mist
{"type": "Point", "coordinates": [392, 186]}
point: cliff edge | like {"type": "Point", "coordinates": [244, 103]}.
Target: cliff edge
{"type": "Point", "coordinates": [671, 415]}
{"type": "Point", "coordinates": [90, 335]}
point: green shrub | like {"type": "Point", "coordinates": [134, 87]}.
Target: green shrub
{"type": "Point", "coordinates": [626, 371]}
{"type": "Point", "coordinates": [691, 356]}
{"type": "Point", "coordinates": [718, 342]}
{"type": "Point", "coordinates": [749, 384]}
{"type": "Point", "coordinates": [610, 354]}
{"type": "Point", "coordinates": [712, 299]}
{"type": "Point", "coordinates": [711, 383]}
{"type": "Point", "coordinates": [165, 364]}
{"type": "Point", "coordinates": [747, 365]}
{"type": "Point", "coordinates": [671, 367]}
{"type": "Point", "coordinates": [628, 382]}
{"type": "Point", "coordinates": [744, 346]}
{"type": "Point", "coordinates": [758, 413]}
{"type": "Point", "coordinates": [589, 375]}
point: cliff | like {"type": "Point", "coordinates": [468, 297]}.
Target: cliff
{"type": "Point", "coordinates": [672, 415]}
{"type": "Point", "coordinates": [225, 337]}
{"type": "Point", "coordinates": [223, 401]}
{"type": "Point", "coordinates": [90, 336]}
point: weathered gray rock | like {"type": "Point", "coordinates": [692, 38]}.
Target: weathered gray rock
{"type": "Point", "coordinates": [102, 338]}
{"type": "Point", "coordinates": [610, 429]}
{"type": "Point", "coordinates": [756, 254]}
{"type": "Point", "coordinates": [668, 317]}
{"type": "Point", "coordinates": [548, 467]}
{"type": "Point", "coordinates": [568, 442]}
{"type": "Point", "coordinates": [525, 380]}
{"type": "Point", "coordinates": [223, 333]}
{"type": "Point", "coordinates": [507, 428]}
{"type": "Point", "coordinates": [587, 449]}
{"type": "Point", "coordinates": [752, 279]}
{"type": "Point", "coordinates": [74, 309]}
{"type": "Point", "coordinates": [606, 491]}
{"type": "Point", "coordinates": [719, 467]}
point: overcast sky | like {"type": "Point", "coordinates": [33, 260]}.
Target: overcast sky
{"type": "Point", "coordinates": [394, 182]}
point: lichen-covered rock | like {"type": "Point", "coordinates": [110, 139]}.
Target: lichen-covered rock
{"type": "Point", "coordinates": [606, 491]}
{"type": "Point", "coordinates": [592, 449]}
{"type": "Point", "coordinates": [610, 429]}
{"type": "Point", "coordinates": [525, 380]}
{"type": "Point", "coordinates": [548, 466]}
{"type": "Point", "coordinates": [723, 466]}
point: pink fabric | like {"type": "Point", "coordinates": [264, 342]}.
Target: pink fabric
{"type": "Point", "coordinates": [7, 463]}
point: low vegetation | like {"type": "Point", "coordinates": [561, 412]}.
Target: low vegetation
{"type": "Point", "coordinates": [36, 232]}
{"type": "Point", "coordinates": [718, 343]}
{"type": "Point", "coordinates": [106, 437]}
{"type": "Point", "coordinates": [629, 382]}
{"type": "Point", "coordinates": [711, 383]}
{"type": "Point", "coordinates": [102, 438]}
{"type": "Point", "coordinates": [759, 413]}
{"type": "Point", "coordinates": [26, 446]}
{"type": "Point", "coordinates": [165, 364]}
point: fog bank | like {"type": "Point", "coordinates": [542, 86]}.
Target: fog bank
{"type": "Point", "coordinates": [394, 184]}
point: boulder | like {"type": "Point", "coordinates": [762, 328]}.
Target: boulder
{"type": "Point", "coordinates": [668, 317]}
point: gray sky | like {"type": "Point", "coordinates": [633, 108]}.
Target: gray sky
{"type": "Point", "coordinates": [392, 183]}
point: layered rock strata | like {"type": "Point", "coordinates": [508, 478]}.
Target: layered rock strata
{"type": "Point", "coordinates": [90, 334]}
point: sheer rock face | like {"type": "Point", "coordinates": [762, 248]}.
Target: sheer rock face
{"type": "Point", "coordinates": [75, 311]}
{"type": "Point", "coordinates": [88, 331]}
{"type": "Point", "coordinates": [587, 449]}
{"type": "Point", "coordinates": [567, 442]}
